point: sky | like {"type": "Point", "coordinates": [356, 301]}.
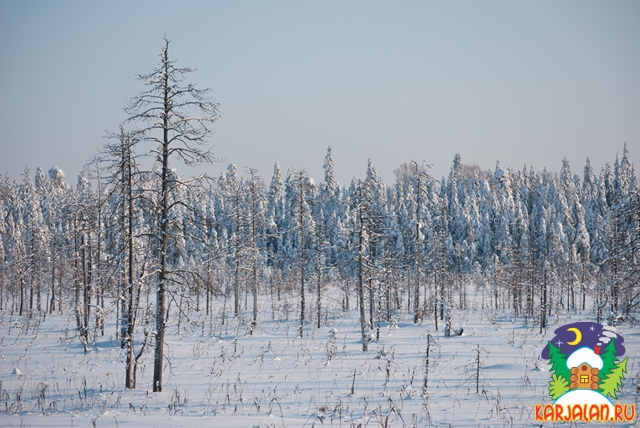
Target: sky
{"type": "Point", "coordinates": [523, 83]}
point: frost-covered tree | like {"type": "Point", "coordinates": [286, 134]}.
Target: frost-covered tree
{"type": "Point", "coordinates": [35, 236]}
{"type": "Point", "coordinates": [122, 175]}
{"type": "Point", "coordinates": [83, 220]}
{"type": "Point", "coordinates": [175, 117]}
{"type": "Point", "coordinates": [275, 219]}
{"type": "Point", "coordinates": [422, 182]}
{"type": "Point", "coordinates": [362, 200]}
{"type": "Point", "coordinates": [234, 193]}
{"type": "Point", "coordinates": [256, 225]}
{"type": "Point", "coordinates": [300, 188]}
{"type": "Point", "coordinates": [58, 219]}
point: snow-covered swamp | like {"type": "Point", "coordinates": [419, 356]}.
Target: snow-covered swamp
{"type": "Point", "coordinates": [121, 298]}
{"type": "Point", "coordinates": [217, 374]}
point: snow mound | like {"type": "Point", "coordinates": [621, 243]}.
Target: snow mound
{"type": "Point", "coordinates": [584, 396]}
{"type": "Point", "coordinates": [584, 355]}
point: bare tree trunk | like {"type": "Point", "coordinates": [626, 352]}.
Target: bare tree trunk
{"type": "Point", "coordinates": [372, 304]}
{"type": "Point", "coordinates": [254, 243]}
{"type": "Point", "coordinates": [363, 317]}
{"type": "Point", "coordinates": [416, 289]}
{"type": "Point", "coordinates": [361, 244]}
{"type": "Point", "coordinates": [132, 306]}
{"type": "Point", "coordinates": [319, 287]}
{"type": "Point", "coordinates": [86, 276]}
{"type": "Point", "coordinates": [236, 288]}
{"type": "Point", "coordinates": [254, 285]}
{"type": "Point", "coordinates": [78, 296]}
{"type": "Point", "coordinates": [52, 303]}
{"type": "Point", "coordinates": [161, 304]}
{"type": "Point", "coordinates": [21, 310]}
{"type": "Point", "coordinates": [168, 105]}
{"type": "Point", "coordinates": [303, 254]}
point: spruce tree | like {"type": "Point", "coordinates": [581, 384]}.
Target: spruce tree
{"type": "Point", "coordinates": [611, 384]}
{"type": "Point", "coordinates": [609, 358]}
{"type": "Point", "coordinates": [558, 362]}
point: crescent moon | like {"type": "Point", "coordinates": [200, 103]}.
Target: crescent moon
{"type": "Point", "coordinates": [578, 336]}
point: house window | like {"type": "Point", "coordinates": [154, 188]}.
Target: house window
{"type": "Point", "coordinates": [584, 379]}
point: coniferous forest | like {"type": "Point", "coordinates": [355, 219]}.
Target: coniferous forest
{"type": "Point", "coordinates": [135, 238]}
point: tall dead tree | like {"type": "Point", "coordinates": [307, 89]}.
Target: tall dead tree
{"type": "Point", "coordinates": [302, 185]}
{"type": "Point", "coordinates": [256, 191]}
{"type": "Point", "coordinates": [362, 246]}
{"type": "Point", "coordinates": [176, 118]}
{"type": "Point", "coordinates": [122, 171]}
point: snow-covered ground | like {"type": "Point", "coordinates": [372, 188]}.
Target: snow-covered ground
{"type": "Point", "coordinates": [218, 376]}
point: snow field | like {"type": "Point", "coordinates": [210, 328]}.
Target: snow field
{"type": "Point", "coordinates": [218, 375]}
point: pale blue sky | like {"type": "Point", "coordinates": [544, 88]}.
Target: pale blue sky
{"type": "Point", "coordinates": [520, 82]}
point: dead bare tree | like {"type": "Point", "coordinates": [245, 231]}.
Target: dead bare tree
{"type": "Point", "coordinates": [302, 186]}
{"type": "Point", "coordinates": [176, 118]}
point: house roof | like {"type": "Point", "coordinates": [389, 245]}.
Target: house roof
{"type": "Point", "coordinates": [584, 355]}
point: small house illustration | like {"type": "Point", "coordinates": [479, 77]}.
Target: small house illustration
{"type": "Point", "coordinates": [585, 365]}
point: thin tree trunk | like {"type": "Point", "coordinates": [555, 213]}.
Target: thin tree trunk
{"type": "Point", "coordinates": [132, 301]}
{"type": "Point", "coordinates": [302, 255]}
{"type": "Point", "coordinates": [161, 304]}
{"type": "Point", "coordinates": [254, 238]}
{"type": "Point", "coordinates": [416, 303]}
{"type": "Point", "coordinates": [361, 243]}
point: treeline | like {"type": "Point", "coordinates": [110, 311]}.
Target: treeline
{"type": "Point", "coordinates": [540, 241]}
{"type": "Point", "coordinates": [130, 242]}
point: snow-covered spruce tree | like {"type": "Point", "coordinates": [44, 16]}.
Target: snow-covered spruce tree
{"type": "Point", "coordinates": [442, 244]}
{"type": "Point", "coordinates": [376, 194]}
{"type": "Point", "coordinates": [392, 262]}
{"type": "Point", "coordinates": [61, 264]}
{"type": "Point", "coordinates": [301, 188]}
{"type": "Point", "coordinates": [421, 182]}
{"type": "Point", "coordinates": [256, 225]}
{"type": "Point", "coordinates": [537, 232]}
{"type": "Point", "coordinates": [16, 253]}
{"type": "Point", "coordinates": [329, 237]}
{"type": "Point", "coordinates": [403, 210]}
{"type": "Point", "coordinates": [175, 117]}
{"type": "Point", "coordinates": [236, 219]}
{"type": "Point", "coordinates": [504, 210]}
{"type": "Point", "coordinates": [35, 238]}
{"type": "Point", "coordinates": [411, 190]}
{"type": "Point", "coordinates": [521, 239]}
{"type": "Point", "coordinates": [592, 197]}
{"type": "Point", "coordinates": [460, 227]}
{"type": "Point", "coordinates": [361, 199]}
{"type": "Point", "coordinates": [571, 217]}
{"type": "Point", "coordinates": [625, 234]}
{"type": "Point", "coordinates": [275, 219]}
{"type": "Point", "coordinates": [614, 238]}
{"type": "Point", "coordinates": [565, 190]}
{"type": "Point", "coordinates": [211, 250]}
{"type": "Point", "coordinates": [83, 220]}
{"type": "Point", "coordinates": [44, 194]}
{"type": "Point", "coordinates": [274, 234]}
